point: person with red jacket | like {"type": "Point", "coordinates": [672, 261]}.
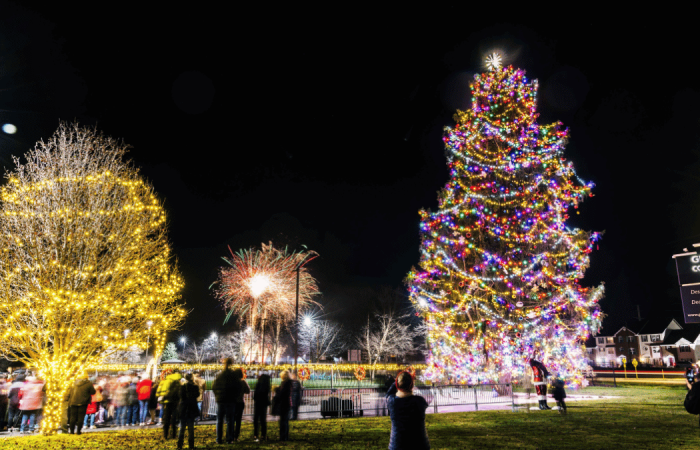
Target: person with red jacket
{"type": "Point", "coordinates": [143, 389]}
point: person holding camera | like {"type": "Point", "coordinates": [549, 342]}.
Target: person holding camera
{"type": "Point", "coordinates": [407, 412]}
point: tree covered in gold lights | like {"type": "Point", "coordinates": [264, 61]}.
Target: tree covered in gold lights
{"type": "Point", "coordinates": [86, 266]}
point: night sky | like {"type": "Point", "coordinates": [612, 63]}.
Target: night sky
{"type": "Point", "coordinates": [323, 128]}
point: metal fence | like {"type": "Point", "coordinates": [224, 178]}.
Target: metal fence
{"type": "Point", "coordinates": [353, 402]}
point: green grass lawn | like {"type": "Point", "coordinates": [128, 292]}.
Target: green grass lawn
{"type": "Point", "coordinates": [643, 417]}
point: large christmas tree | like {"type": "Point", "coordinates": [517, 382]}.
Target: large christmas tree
{"type": "Point", "coordinates": [499, 275]}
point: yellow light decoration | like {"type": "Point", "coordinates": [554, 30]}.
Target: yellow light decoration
{"type": "Point", "coordinates": [345, 368]}
{"type": "Point", "coordinates": [85, 258]}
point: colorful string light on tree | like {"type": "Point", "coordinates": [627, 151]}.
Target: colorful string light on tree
{"type": "Point", "coordinates": [499, 273]}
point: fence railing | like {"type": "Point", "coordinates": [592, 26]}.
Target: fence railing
{"type": "Point", "coordinates": [353, 402]}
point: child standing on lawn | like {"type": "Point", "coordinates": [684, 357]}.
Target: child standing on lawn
{"type": "Point", "coordinates": [559, 395]}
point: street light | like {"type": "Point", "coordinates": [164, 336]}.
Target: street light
{"type": "Point", "coordinates": [309, 323]}
{"type": "Point", "coordinates": [296, 322]}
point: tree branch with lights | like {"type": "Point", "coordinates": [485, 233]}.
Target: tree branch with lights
{"type": "Point", "coordinates": [499, 275]}
{"type": "Point", "coordinates": [86, 269]}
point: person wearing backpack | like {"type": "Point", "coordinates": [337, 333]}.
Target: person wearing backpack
{"type": "Point", "coordinates": [169, 389]}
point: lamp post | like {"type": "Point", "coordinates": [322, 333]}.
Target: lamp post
{"type": "Point", "coordinates": [214, 337]}
{"type": "Point", "coordinates": [308, 322]}
{"type": "Point", "coordinates": [296, 323]}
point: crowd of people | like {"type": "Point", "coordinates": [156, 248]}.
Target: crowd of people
{"type": "Point", "coordinates": [120, 401]}
{"type": "Point", "coordinates": [175, 402]}
{"type": "Point", "coordinates": [129, 400]}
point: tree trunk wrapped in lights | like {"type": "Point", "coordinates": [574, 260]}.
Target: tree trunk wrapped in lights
{"type": "Point", "coordinates": [86, 267]}
{"type": "Point", "coordinates": [499, 274]}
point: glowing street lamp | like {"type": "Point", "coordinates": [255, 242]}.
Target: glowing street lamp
{"type": "Point", "coordinates": [301, 264]}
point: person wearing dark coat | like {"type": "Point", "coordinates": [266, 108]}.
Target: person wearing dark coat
{"type": "Point", "coordinates": [240, 403]}
{"type": "Point", "coordinates": [153, 402]}
{"type": "Point", "coordinates": [13, 411]}
{"type": "Point", "coordinates": [407, 412]}
{"type": "Point", "coordinates": [559, 395]}
{"type": "Point", "coordinates": [79, 396]}
{"type": "Point", "coordinates": [261, 400]}
{"type": "Point", "coordinates": [188, 410]}
{"type": "Point", "coordinates": [226, 388]}
{"type": "Point", "coordinates": [284, 399]}
{"type": "Point", "coordinates": [296, 395]}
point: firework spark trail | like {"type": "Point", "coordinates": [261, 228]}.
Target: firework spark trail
{"type": "Point", "coordinates": [262, 282]}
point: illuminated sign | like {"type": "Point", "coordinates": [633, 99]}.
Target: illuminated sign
{"type": "Point", "coordinates": [690, 295]}
{"type": "Point", "coordinates": [688, 266]}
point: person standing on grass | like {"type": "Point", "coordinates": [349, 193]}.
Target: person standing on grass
{"type": "Point", "coordinates": [559, 395]}
{"type": "Point", "coordinates": [283, 398]}
{"type": "Point", "coordinates": [407, 412]}
{"type": "Point", "coordinates": [226, 387]}
{"type": "Point", "coordinates": [143, 390]}
{"type": "Point", "coordinates": [170, 389]}
{"type": "Point", "coordinates": [296, 395]}
{"type": "Point", "coordinates": [188, 411]}
{"type": "Point", "coordinates": [202, 385]}
{"type": "Point", "coordinates": [692, 398]}
{"type": "Point", "coordinates": [240, 403]}
{"type": "Point", "coordinates": [261, 400]}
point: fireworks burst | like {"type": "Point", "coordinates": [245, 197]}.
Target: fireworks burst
{"type": "Point", "coordinates": [262, 283]}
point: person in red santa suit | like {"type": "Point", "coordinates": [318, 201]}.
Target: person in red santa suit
{"type": "Point", "coordinates": [539, 379]}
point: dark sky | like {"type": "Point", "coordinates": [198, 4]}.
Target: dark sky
{"type": "Point", "coordinates": [323, 127]}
